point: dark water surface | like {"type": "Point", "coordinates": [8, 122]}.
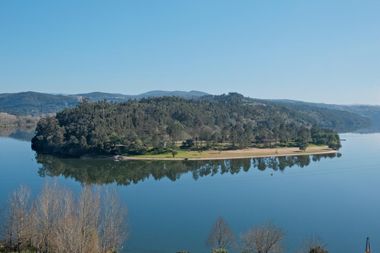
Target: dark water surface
{"type": "Point", "coordinates": [172, 205]}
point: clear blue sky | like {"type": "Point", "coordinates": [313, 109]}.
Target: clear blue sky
{"type": "Point", "coordinates": [323, 51]}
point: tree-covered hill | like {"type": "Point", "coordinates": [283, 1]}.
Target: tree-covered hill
{"type": "Point", "coordinates": [339, 118]}
{"type": "Point", "coordinates": [343, 118]}
{"type": "Point", "coordinates": [372, 113]}
{"type": "Point", "coordinates": [161, 124]}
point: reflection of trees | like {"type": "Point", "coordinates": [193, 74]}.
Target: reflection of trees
{"type": "Point", "coordinates": [98, 171]}
{"type": "Point", "coordinates": [25, 134]}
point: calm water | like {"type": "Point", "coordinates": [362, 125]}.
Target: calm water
{"type": "Point", "coordinates": [172, 205]}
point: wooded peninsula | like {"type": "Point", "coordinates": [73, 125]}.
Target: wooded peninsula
{"type": "Point", "coordinates": [170, 125]}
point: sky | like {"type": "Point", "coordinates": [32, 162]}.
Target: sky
{"type": "Point", "coordinates": [318, 51]}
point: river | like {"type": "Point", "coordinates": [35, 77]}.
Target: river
{"type": "Point", "coordinates": [172, 205]}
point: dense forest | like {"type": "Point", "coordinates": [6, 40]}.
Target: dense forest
{"type": "Point", "coordinates": [162, 124]}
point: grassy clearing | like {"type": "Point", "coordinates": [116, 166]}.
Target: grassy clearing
{"type": "Point", "coordinates": [230, 154]}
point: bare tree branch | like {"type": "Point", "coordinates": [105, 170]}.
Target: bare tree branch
{"type": "Point", "coordinates": [221, 236]}
{"type": "Point", "coordinates": [263, 239]}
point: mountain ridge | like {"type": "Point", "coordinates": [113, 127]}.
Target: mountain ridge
{"type": "Point", "coordinates": [40, 104]}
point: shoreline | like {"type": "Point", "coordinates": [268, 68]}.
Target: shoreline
{"type": "Point", "coordinates": [232, 154]}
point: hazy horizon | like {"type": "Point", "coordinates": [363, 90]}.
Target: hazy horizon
{"type": "Point", "coordinates": [323, 52]}
{"type": "Point", "coordinates": [136, 94]}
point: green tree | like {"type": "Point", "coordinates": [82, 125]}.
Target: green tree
{"type": "Point", "coordinates": [174, 152]}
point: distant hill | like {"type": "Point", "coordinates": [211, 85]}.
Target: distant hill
{"type": "Point", "coordinates": [361, 118]}
{"type": "Point", "coordinates": [116, 97]}
{"type": "Point", "coordinates": [342, 118]}
{"type": "Point", "coordinates": [97, 96]}
{"type": "Point", "coordinates": [182, 94]}
{"type": "Point", "coordinates": [36, 104]}
{"type": "Point", "coordinates": [371, 112]}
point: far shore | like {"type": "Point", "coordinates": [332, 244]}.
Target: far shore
{"type": "Point", "coordinates": [233, 154]}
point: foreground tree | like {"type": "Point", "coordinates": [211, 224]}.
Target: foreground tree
{"type": "Point", "coordinates": [221, 236]}
{"type": "Point", "coordinates": [57, 222]}
{"type": "Point", "coordinates": [46, 215]}
{"type": "Point", "coordinates": [219, 251]}
{"type": "Point", "coordinates": [313, 245]}
{"type": "Point", "coordinates": [113, 222]}
{"type": "Point", "coordinates": [263, 239]}
{"type": "Point", "coordinates": [17, 225]}
{"type": "Point", "coordinates": [318, 249]}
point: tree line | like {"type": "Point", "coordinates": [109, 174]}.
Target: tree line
{"type": "Point", "coordinates": [164, 124]}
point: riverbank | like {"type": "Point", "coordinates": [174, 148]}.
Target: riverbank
{"type": "Point", "coordinates": [233, 154]}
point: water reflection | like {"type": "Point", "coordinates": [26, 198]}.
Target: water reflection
{"type": "Point", "coordinates": [22, 134]}
{"type": "Point", "coordinates": [97, 171]}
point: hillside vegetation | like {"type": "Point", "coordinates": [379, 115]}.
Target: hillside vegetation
{"type": "Point", "coordinates": [339, 118]}
{"type": "Point", "coordinates": [342, 118]}
{"type": "Point", "coordinates": [158, 125]}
